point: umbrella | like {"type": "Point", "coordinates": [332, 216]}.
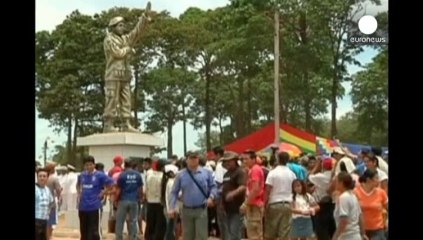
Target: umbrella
{"type": "Point", "coordinates": [293, 150]}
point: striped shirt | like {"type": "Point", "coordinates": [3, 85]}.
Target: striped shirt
{"type": "Point", "coordinates": [43, 201]}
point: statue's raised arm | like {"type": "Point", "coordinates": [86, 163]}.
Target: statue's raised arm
{"type": "Point", "coordinates": [135, 34]}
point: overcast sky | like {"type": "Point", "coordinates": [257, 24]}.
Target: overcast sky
{"type": "Point", "coordinates": [50, 13]}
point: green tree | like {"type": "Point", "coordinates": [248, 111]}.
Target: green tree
{"type": "Point", "coordinates": [166, 87]}
{"type": "Point", "coordinates": [70, 73]}
{"type": "Point", "coordinates": [337, 20]}
{"type": "Point", "coordinates": [350, 131]}
{"type": "Point", "coordinates": [202, 32]}
{"type": "Point", "coordinates": [201, 142]}
{"type": "Point", "coordinates": [370, 97]}
{"type": "Point", "coordinates": [65, 77]}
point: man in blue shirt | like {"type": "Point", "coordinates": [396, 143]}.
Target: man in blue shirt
{"type": "Point", "coordinates": [90, 193]}
{"type": "Point", "coordinates": [298, 169]}
{"type": "Point", "coordinates": [130, 192]}
{"type": "Point", "coordinates": [198, 193]}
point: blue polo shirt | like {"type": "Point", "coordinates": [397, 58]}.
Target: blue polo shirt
{"type": "Point", "coordinates": [299, 170]}
{"type": "Point", "coordinates": [130, 183]}
{"type": "Point", "coordinates": [91, 186]}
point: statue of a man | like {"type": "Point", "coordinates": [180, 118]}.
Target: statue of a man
{"type": "Point", "coordinates": [118, 48]}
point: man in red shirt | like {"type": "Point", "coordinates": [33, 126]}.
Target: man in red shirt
{"type": "Point", "coordinates": [254, 203]}
{"type": "Point", "coordinates": [117, 160]}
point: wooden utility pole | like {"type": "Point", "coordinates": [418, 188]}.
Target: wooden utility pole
{"type": "Point", "coordinates": [276, 83]}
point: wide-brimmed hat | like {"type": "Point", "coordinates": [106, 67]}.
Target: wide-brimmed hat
{"type": "Point", "coordinates": [338, 150]}
{"type": "Point", "coordinates": [229, 155]}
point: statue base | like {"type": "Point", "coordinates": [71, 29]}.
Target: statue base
{"type": "Point", "coordinates": [104, 147]}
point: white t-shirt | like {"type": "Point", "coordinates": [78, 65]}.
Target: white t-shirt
{"type": "Point", "coordinates": [348, 163]}
{"type": "Point", "coordinates": [382, 165]}
{"type": "Point", "coordinates": [302, 204]}
{"type": "Point", "coordinates": [208, 167]}
{"type": "Point", "coordinates": [219, 172]}
{"type": "Point", "coordinates": [280, 178]}
{"type": "Point", "coordinates": [349, 207]}
{"type": "Point", "coordinates": [321, 181]}
{"type": "Point", "coordinates": [382, 175]}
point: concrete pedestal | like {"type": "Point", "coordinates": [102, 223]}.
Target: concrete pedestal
{"type": "Point", "coordinates": [104, 147]}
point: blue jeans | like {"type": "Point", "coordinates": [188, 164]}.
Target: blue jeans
{"type": "Point", "coordinates": [221, 219]}
{"type": "Point", "coordinates": [124, 209]}
{"type": "Point", "coordinates": [233, 225]}
{"type": "Point", "coordinates": [170, 229]}
{"type": "Point", "coordinates": [376, 234]}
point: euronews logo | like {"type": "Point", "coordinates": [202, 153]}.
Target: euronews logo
{"type": "Point", "coordinates": [366, 32]}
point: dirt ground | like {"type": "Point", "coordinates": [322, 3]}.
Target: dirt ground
{"type": "Point", "coordinates": [62, 233]}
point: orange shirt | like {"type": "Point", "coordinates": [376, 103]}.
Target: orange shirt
{"type": "Point", "coordinates": [372, 205]}
{"type": "Point", "coordinates": [256, 174]}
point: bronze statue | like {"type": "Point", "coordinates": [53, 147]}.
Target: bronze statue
{"type": "Point", "coordinates": [118, 48]}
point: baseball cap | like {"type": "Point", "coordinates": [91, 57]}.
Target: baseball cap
{"type": "Point", "coordinates": [192, 154]}
{"type": "Point", "coordinates": [327, 163]}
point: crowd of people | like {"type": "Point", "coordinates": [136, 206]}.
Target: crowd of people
{"type": "Point", "coordinates": [231, 197]}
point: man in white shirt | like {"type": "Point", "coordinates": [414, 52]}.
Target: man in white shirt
{"type": "Point", "coordinates": [218, 175]}
{"type": "Point", "coordinates": [324, 221]}
{"type": "Point", "coordinates": [153, 196]}
{"type": "Point", "coordinates": [383, 165]}
{"type": "Point", "coordinates": [278, 199]}
{"type": "Point", "coordinates": [340, 156]}
{"type": "Point", "coordinates": [70, 188]}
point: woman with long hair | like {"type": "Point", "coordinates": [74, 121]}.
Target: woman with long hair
{"type": "Point", "coordinates": [303, 207]}
{"type": "Point", "coordinates": [347, 214]}
{"type": "Point", "coordinates": [373, 201]}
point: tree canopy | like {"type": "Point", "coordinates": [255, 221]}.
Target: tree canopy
{"type": "Point", "coordinates": [214, 69]}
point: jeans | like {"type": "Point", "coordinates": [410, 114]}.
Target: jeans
{"type": "Point", "coordinates": [124, 209]}
{"type": "Point", "coordinates": [220, 219]}
{"type": "Point", "coordinates": [376, 234]}
{"type": "Point", "coordinates": [170, 229]}
{"type": "Point", "coordinates": [233, 224]}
